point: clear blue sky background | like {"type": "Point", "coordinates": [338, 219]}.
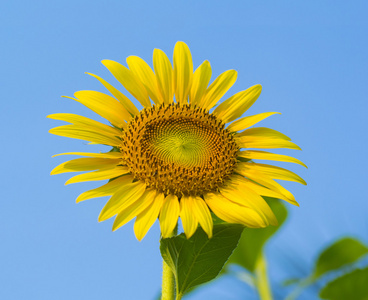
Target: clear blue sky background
{"type": "Point", "coordinates": [310, 57]}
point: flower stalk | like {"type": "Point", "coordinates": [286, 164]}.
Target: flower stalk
{"type": "Point", "coordinates": [262, 283]}
{"type": "Point", "coordinates": [168, 283]}
{"type": "Point", "coordinates": [168, 279]}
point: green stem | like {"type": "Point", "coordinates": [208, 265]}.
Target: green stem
{"type": "Point", "coordinates": [168, 283]}
{"type": "Point", "coordinates": [262, 283]}
{"type": "Point", "coordinates": [178, 296]}
{"type": "Point", "coordinates": [168, 280]}
{"type": "Point", "coordinates": [300, 287]}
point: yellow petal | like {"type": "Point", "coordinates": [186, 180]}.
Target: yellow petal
{"type": "Point", "coordinates": [164, 75]}
{"type": "Point", "coordinates": [99, 175]}
{"type": "Point", "coordinates": [265, 143]}
{"type": "Point", "coordinates": [253, 154]}
{"type": "Point", "coordinates": [266, 181]}
{"type": "Point", "coordinates": [124, 100]}
{"type": "Point", "coordinates": [242, 195]}
{"type": "Point", "coordinates": [190, 222]}
{"type": "Point", "coordinates": [104, 105]}
{"type": "Point", "coordinates": [203, 215]}
{"type": "Point", "coordinates": [85, 164]}
{"type": "Point", "coordinates": [260, 190]}
{"type": "Point", "coordinates": [275, 172]}
{"type": "Point", "coordinates": [129, 212]}
{"type": "Point", "coordinates": [233, 213]}
{"type": "Point", "coordinates": [264, 132]}
{"type": "Point", "coordinates": [83, 121]}
{"type": "Point", "coordinates": [219, 205]}
{"type": "Point", "coordinates": [129, 81]}
{"type": "Point", "coordinates": [246, 122]}
{"type": "Point", "coordinates": [90, 134]}
{"type": "Point", "coordinates": [236, 105]}
{"type": "Point", "coordinates": [218, 88]}
{"type": "Point", "coordinates": [169, 215]}
{"type": "Point", "coordinates": [201, 78]}
{"type": "Point", "coordinates": [146, 218]}
{"type": "Point", "coordinates": [125, 196]}
{"type": "Point", "coordinates": [101, 155]}
{"type": "Point", "coordinates": [183, 72]}
{"type": "Point", "coordinates": [107, 189]}
{"type": "Point", "coordinates": [145, 74]}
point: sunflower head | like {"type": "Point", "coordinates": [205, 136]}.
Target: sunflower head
{"type": "Point", "coordinates": [174, 158]}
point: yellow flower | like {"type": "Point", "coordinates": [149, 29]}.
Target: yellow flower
{"type": "Point", "coordinates": [174, 158]}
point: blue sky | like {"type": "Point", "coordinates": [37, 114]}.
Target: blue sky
{"type": "Point", "coordinates": [310, 57]}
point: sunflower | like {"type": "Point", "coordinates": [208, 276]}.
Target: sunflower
{"type": "Point", "coordinates": [174, 158]}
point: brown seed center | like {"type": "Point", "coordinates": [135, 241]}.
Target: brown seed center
{"type": "Point", "coordinates": [179, 149]}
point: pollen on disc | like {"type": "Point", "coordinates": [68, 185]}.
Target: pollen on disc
{"type": "Point", "coordinates": [179, 149]}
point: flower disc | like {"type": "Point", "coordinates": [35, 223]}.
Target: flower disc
{"type": "Point", "coordinates": [179, 149]}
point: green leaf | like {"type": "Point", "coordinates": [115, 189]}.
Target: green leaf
{"type": "Point", "coordinates": [252, 241]}
{"type": "Point", "coordinates": [197, 260]}
{"type": "Point", "coordinates": [353, 286]}
{"type": "Point", "coordinates": [339, 254]}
